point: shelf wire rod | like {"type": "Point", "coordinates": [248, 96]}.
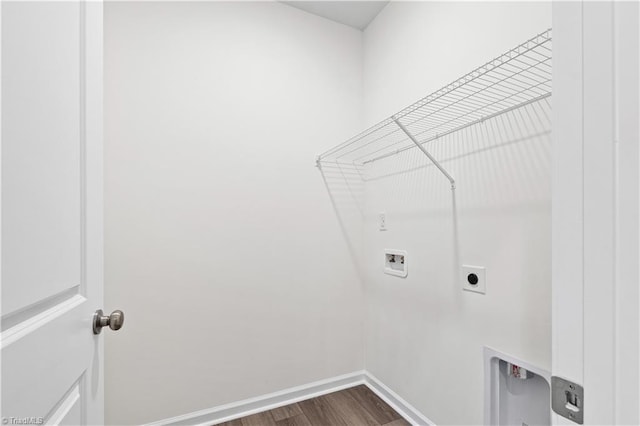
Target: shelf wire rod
{"type": "Point", "coordinates": [511, 81]}
{"type": "Point", "coordinates": [482, 70]}
{"type": "Point", "coordinates": [542, 112]}
{"type": "Point", "coordinates": [512, 78]}
{"type": "Point", "coordinates": [405, 148]}
{"type": "Point", "coordinates": [506, 83]}
{"type": "Point", "coordinates": [464, 115]}
{"type": "Point", "coordinates": [498, 91]}
{"type": "Point", "coordinates": [534, 73]}
{"type": "Point", "coordinates": [452, 129]}
{"type": "Point", "coordinates": [486, 106]}
{"type": "Point", "coordinates": [360, 136]}
{"type": "Point", "coordinates": [485, 111]}
{"type": "Point", "coordinates": [348, 183]}
{"type": "Point", "coordinates": [476, 103]}
{"type": "Point", "coordinates": [456, 124]}
{"type": "Point", "coordinates": [541, 61]}
{"type": "Point", "coordinates": [364, 144]}
{"type": "Point", "coordinates": [507, 70]}
{"type": "Point", "coordinates": [532, 55]}
{"type": "Point", "coordinates": [504, 90]}
{"type": "Point", "coordinates": [477, 99]}
{"type": "Point", "coordinates": [466, 97]}
{"type": "Point", "coordinates": [488, 68]}
{"type": "Point", "coordinates": [445, 130]}
{"type": "Point", "coordinates": [530, 45]}
{"type": "Point", "coordinates": [535, 90]}
{"type": "Point", "coordinates": [333, 164]}
{"type": "Point", "coordinates": [359, 172]}
{"type": "Point", "coordinates": [433, 160]}
{"type": "Point", "coordinates": [542, 46]}
{"type": "Point", "coordinates": [444, 121]}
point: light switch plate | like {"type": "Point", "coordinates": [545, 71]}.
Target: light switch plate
{"type": "Point", "coordinates": [382, 221]}
{"type": "Point", "coordinates": [474, 279]}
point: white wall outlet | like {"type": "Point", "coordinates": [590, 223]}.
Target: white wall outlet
{"type": "Point", "coordinates": [474, 279]}
{"type": "Point", "coordinates": [382, 221]}
{"type": "Point", "coordinates": [395, 262]}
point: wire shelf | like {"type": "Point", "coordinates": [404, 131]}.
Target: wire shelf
{"type": "Point", "coordinates": [517, 78]}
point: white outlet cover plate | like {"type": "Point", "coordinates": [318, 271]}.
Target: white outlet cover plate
{"type": "Point", "coordinates": [480, 271]}
{"type": "Point", "coordinates": [382, 221]}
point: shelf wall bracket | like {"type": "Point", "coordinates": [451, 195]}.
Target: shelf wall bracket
{"type": "Point", "coordinates": [433, 160]}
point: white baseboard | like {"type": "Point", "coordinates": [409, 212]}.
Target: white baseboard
{"type": "Point", "coordinates": [247, 407]}
{"type": "Point", "coordinates": [406, 410]}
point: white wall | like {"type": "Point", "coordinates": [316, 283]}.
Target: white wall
{"type": "Point", "coordinates": [214, 112]}
{"type": "Point", "coordinates": [222, 246]}
{"type": "Point", "coordinates": [424, 335]}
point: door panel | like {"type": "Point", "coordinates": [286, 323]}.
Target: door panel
{"type": "Point", "coordinates": [35, 387]}
{"type": "Point", "coordinates": [69, 412]}
{"type": "Point", "coordinates": [51, 211]}
{"type": "Point", "coordinates": [41, 151]}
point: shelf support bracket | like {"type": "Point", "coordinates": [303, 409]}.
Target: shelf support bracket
{"type": "Point", "coordinates": [433, 160]}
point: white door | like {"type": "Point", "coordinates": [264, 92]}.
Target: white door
{"type": "Point", "coordinates": [596, 206]}
{"type": "Point", "coordinates": [51, 212]}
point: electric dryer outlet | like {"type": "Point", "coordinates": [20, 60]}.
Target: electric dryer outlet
{"type": "Point", "coordinates": [474, 279]}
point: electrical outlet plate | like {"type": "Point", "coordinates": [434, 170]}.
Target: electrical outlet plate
{"type": "Point", "coordinates": [395, 262]}
{"type": "Point", "coordinates": [474, 279]}
{"type": "Point", "coordinates": [382, 221]}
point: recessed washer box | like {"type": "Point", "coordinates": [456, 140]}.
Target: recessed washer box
{"type": "Point", "coordinates": [511, 399]}
{"type": "Point", "coordinates": [395, 262]}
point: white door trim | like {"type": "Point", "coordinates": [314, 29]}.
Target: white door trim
{"type": "Point", "coordinates": [595, 208]}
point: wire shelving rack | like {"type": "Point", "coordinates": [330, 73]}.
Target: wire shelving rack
{"type": "Point", "coordinates": [519, 77]}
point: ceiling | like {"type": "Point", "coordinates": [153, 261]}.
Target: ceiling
{"type": "Point", "coordinates": [356, 14]}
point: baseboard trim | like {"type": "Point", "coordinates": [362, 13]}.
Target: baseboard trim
{"type": "Point", "coordinates": [235, 410]}
{"type": "Point", "coordinates": [247, 407]}
{"type": "Point", "coordinates": [406, 410]}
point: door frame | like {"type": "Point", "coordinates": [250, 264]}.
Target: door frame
{"type": "Point", "coordinates": [93, 58]}
{"type": "Point", "coordinates": [595, 206]}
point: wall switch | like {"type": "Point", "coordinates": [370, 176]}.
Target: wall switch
{"type": "Point", "coordinates": [474, 279]}
{"type": "Point", "coordinates": [395, 262]}
{"type": "Point", "coordinates": [382, 221]}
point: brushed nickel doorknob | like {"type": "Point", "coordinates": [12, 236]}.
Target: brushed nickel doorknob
{"type": "Point", "coordinates": [114, 321]}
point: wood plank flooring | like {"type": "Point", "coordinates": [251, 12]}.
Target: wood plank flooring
{"type": "Point", "coordinates": [350, 407]}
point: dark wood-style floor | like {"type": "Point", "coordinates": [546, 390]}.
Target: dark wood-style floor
{"type": "Point", "coordinates": [350, 407]}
